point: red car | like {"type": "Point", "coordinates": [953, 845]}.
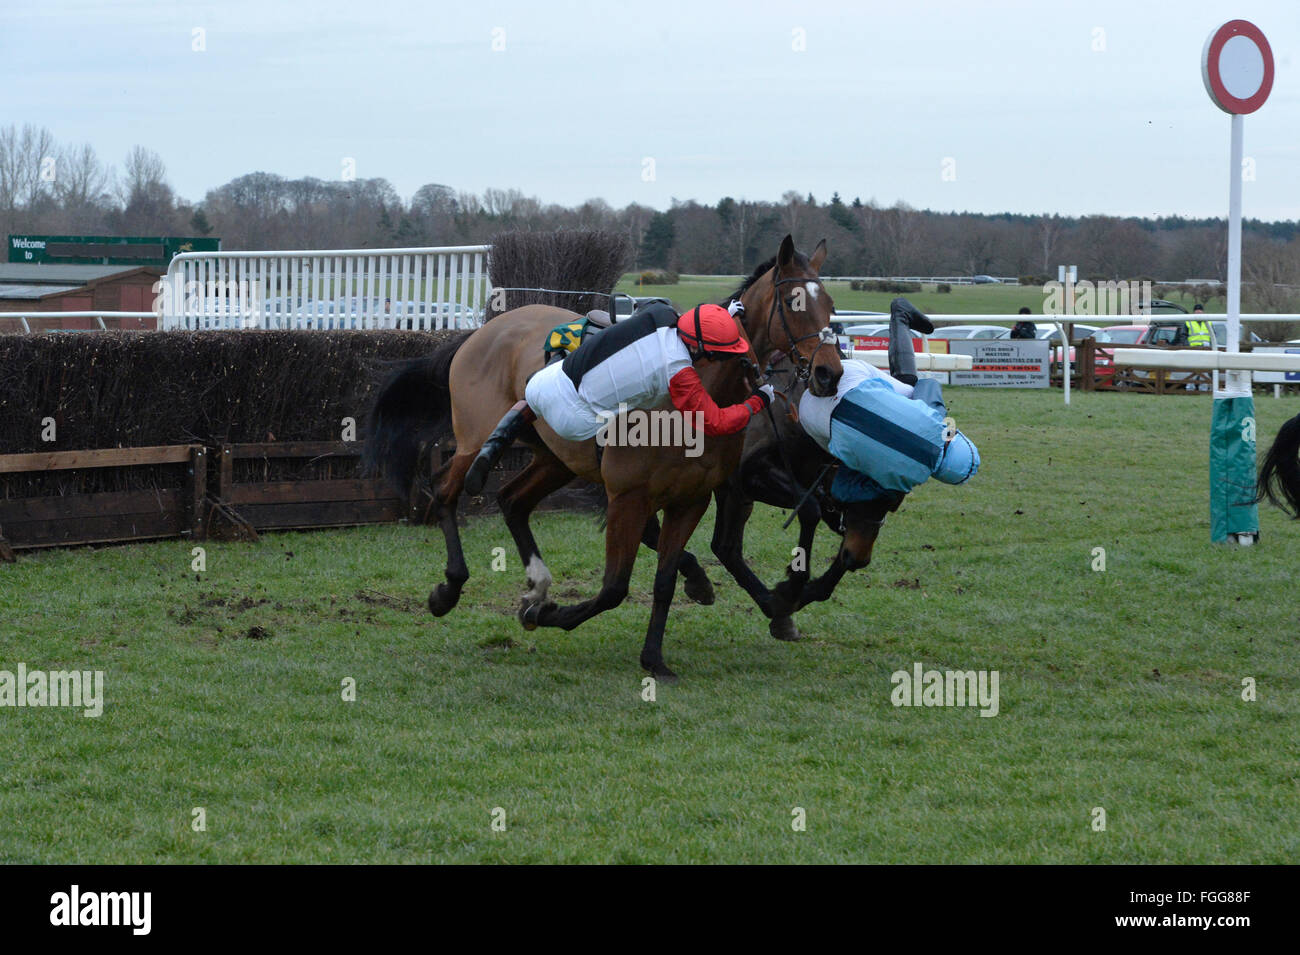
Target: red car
{"type": "Point", "coordinates": [1104, 362]}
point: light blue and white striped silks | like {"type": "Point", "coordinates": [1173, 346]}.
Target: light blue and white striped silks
{"type": "Point", "coordinates": [889, 442]}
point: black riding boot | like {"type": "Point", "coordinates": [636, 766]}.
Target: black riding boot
{"type": "Point", "coordinates": [502, 436]}
{"type": "Point", "coordinates": [904, 316]}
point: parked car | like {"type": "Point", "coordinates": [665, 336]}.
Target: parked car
{"type": "Point", "coordinates": [842, 321]}
{"type": "Point", "coordinates": [952, 332]}
{"type": "Point", "coordinates": [1122, 335]}
{"type": "Point", "coordinates": [1175, 332]}
{"type": "Point", "coordinates": [625, 305]}
{"type": "Point", "coordinates": [1078, 332]}
{"type": "Point", "coordinates": [873, 336]}
{"type": "Point", "coordinates": [983, 280]}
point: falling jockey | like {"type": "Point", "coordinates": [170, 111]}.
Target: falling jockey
{"type": "Point", "coordinates": [888, 430]}
{"type": "Point", "coordinates": [635, 364]}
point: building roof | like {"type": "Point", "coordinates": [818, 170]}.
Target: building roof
{"type": "Point", "coordinates": [33, 292]}
{"type": "Point", "coordinates": [31, 273]}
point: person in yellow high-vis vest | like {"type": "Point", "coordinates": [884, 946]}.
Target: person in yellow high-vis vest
{"type": "Point", "coordinates": [1198, 333]}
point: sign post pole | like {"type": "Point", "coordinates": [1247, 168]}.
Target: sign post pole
{"type": "Point", "coordinates": [1237, 69]}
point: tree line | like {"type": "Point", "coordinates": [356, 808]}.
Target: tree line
{"type": "Point", "coordinates": [52, 188]}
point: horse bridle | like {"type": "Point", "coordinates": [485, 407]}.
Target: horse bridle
{"type": "Point", "coordinates": [802, 365]}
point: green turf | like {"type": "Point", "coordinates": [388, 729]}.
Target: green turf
{"type": "Point", "coordinates": [962, 300]}
{"type": "Point", "coordinates": [1119, 689]}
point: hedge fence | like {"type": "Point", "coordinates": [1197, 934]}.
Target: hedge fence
{"type": "Point", "coordinates": [132, 389]}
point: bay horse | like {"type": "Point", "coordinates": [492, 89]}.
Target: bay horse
{"type": "Point", "coordinates": [469, 383]}
{"type": "Point", "coordinates": [1279, 475]}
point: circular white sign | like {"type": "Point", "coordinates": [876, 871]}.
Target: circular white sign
{"type": "Point", "coordinates": [1241, 67]}
{"type": "Point", "coordinates": [1237, 67]}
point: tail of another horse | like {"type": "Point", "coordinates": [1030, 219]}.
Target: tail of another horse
{"type": "Point", "coordinates": [1279, 478]}
{"type": "Point", "coordinates": [412, 408]}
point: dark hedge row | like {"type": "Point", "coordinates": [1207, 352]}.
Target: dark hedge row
{"type": "Point", "coordinates": [132, 389]}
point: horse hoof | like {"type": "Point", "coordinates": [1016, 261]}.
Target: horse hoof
{"type": "Point", "coordinates": [700, 590]}
{"type": "Point", "coordinates": [530, 614]}
{"type": "Point", "coordinates": [661, 673]}
{"type": "Point", "coordinates": [442, 599]}
{"type": "Point", "coordinates": [784, 628]}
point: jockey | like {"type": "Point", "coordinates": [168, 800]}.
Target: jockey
{"type": "Point", "coordinates": [636, 363]}
{"type": "Point", "coordinates": [888, 430]}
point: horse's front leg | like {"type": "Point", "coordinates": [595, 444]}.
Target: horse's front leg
{"type": "Point", "coordinates": [854, 554]}
{"type": "Point", "coordinates": [679, 523]}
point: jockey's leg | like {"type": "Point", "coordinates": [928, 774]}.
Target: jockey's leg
{"type": "Point", "coordinates": [928, 391]}
{"type": "Point", "coordinates": [502, 436]}
{"type": "Point", "coordinates": [903, 317]}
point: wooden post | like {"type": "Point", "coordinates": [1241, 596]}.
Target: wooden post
{"type": "Point", "coordinates": [198, 491]}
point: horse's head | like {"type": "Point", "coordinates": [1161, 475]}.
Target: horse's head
{"type": "Point", "coordinates": [860, 523]}
{"type": "Point", "coordinates": [787, 309]}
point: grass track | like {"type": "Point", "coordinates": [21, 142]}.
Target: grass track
{"type": "Point", "coordinates": [456, 717]}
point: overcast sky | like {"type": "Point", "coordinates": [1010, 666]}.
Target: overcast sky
{"type": "Point", "coordinates": [1075, 108]}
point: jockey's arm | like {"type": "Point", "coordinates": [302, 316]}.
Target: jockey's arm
{"type": "Point", "coordinates": [688, 395]}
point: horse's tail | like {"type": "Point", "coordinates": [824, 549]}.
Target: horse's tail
{"type": "Point", "coordinates": [1279, 478]}
{"type": "Point", "coordinates": [412, 407]}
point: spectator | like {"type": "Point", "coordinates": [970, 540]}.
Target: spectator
{"type": "Point", "coordinates": [1024, 328]}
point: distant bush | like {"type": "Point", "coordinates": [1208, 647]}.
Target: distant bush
{"type": "Point", "coordinates": [944, 288]}
{"type": "Point", "coordinates": [883, 285]}
{"type": "Point", "coordinates": [1033, 280]}
{"type": "Point", "coordinates": [658, 277]}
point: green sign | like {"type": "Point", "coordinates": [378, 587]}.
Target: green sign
{"type": "Point", "coordinates": [105, 249]}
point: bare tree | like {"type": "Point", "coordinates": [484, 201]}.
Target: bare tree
{"type": "Point", "coordinates": [1049, 234]}
{"type": "Point", "coordinates": [901, 229]}
{"type": "Point", "coordinates": [27, 161]}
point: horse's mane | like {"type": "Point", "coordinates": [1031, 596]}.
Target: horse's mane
{"type": "Point", "coordinates": [760, 270]}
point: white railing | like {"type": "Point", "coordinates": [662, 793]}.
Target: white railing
{"type": "Point", "coordinates": [421, 288]}
{"type": "Point", "coordinates": [24, 318]}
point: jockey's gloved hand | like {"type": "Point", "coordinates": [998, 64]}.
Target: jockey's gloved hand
{"type": "Point", "coordinates": [735, 307]}
{"type": "Point", "coordinates": [767, 393]}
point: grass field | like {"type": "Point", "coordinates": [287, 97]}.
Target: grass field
{"type": "Point", "coordinates": [1119, 689]}
{"type": "Point", "coordinates": [962, 300]}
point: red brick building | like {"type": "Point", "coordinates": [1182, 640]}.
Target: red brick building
{"type": "Point", "coordinates": [30, 289]}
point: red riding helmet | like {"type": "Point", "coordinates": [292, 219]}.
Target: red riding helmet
{"type": "Point", "coordinates": [711, 328]}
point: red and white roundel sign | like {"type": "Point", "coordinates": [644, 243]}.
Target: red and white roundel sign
{"type": "Point", "coordinates": [1237, 67]}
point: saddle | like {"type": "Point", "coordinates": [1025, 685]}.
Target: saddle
{"type": "Point", "coordinates": [568, 336]}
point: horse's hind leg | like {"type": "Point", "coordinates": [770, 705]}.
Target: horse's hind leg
{"type": "Point", "coordinates": [626, 519]}
{"type": "Point", "coordinates": [445, 596]}
{"type": "Point", "coordinates": [728, 546]}
{"type": "Point", "coordinates": [679, 524]}
{"type": "Point", "coordinates": [543, 475]}
{"type": "Point", "coordinates": [698, 586]}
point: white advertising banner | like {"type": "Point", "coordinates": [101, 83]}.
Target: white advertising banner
{"type": "Point", "coordinates": [1002, 362]}
{"type": "Point", "coordinates": [1276, 377]}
